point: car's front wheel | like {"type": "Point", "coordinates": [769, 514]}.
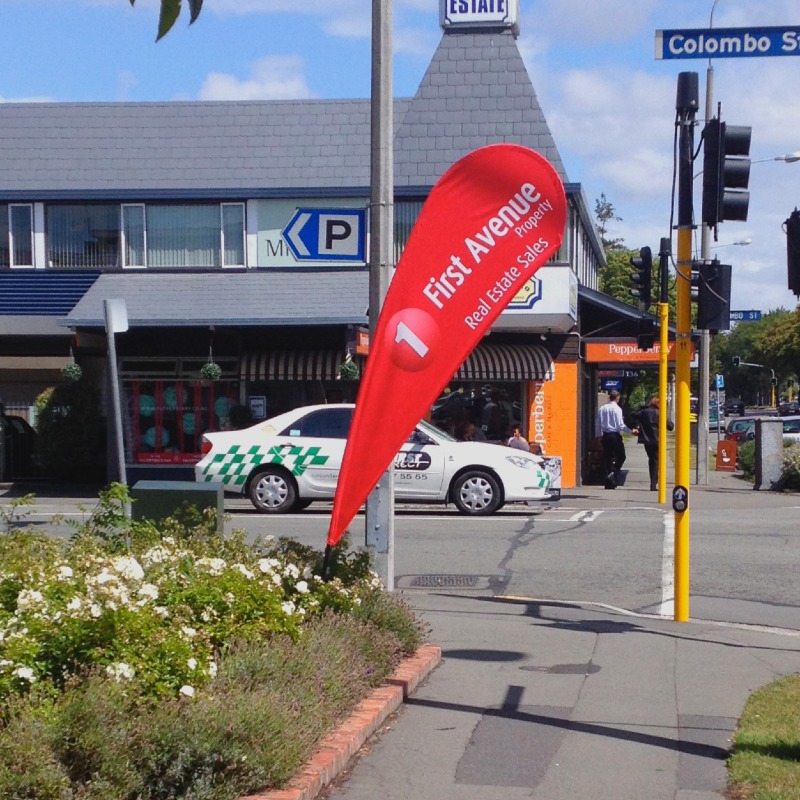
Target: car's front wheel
{"type": "Point", "coordinates": [476, 493]}
{"type": "Point", "coordinates": [272, 491]}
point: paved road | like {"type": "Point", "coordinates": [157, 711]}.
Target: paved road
{"type": "Point", "coordinates": [609, 547]}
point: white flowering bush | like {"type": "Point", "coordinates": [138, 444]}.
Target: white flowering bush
{"type": "Point", "coordinates": [157, 607]}
{"type": "Point", "coordinates": [790, 472]}
{"type": "Point", "coordinates": [167, 662]}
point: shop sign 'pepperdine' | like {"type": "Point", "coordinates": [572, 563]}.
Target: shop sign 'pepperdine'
{"type": "Point", "coordinates": [489, 223]}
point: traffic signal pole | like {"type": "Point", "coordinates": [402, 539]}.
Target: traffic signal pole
{"type": "Point", "coordinates": [663, 365]}
{"type": "Point", "coordinates": [686, 106]}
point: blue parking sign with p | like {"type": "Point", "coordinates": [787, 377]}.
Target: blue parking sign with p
{"type": "Point", "coordinates": [327, 234]}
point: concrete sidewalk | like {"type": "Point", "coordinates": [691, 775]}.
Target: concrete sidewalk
{"type": "Point", "coordinates": [568, 701]}
{"type": "Point", "coordinates": [556, 701]}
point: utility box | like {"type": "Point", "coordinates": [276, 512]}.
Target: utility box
{"type": "Point", "coordinates": [769, 452]}
{"type": "Point", "coordinates": [156, 500]}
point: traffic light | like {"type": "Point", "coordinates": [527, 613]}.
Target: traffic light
{"type": "Point", "coordinates": [713, 296]}
{"type": "Point", "coordinates": [646, 338]}
{"type": "Point", "coordinates": [642, 277]}
{"type": "Point", "coordinates": [736, 361]}
{"type": "Point", "coordinates": [793, 251]}
{"type": "Point", "coordinates": [726, 172]}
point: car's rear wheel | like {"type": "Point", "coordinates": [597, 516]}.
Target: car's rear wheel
{"type": "Point", "coordinates": [477, 493]}
{"type": "Point", "coordinates": [272, 491]}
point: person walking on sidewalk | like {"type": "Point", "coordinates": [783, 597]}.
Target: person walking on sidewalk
{"type": "Point", "coordinates": [647, 420]}
{"type": "Point", "coordinates": [610, 427]}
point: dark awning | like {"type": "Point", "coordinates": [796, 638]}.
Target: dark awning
{"type": "Point", "coordinates": [507, 362]}
{"type": "Point", "coordinates": [292, 365]}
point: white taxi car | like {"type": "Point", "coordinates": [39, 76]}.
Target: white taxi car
{"type": "Point", "coordinates": [285, 463]}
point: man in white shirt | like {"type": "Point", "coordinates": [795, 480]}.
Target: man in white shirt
{"type": "Point", "coordinates": [610, 427]}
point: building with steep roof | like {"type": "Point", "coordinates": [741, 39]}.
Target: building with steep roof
{"type": "Point", "coordinates": [203, 217]}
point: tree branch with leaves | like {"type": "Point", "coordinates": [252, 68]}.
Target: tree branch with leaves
{"type": "Point", "coordinates": [170, 11]}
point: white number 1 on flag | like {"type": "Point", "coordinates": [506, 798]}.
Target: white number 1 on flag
{"type": "Point", "coordinates": [405, 334]}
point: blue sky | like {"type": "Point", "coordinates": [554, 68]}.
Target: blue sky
{"type": "Point", "coordinates": [609, 103]}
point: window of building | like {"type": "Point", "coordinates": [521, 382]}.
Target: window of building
{"type": "Point", "coordinates": [82, 236]}
{"type": "Point", "coordinates": [92, 236]}
{"type": "Point", "coordinates": [406, 213]}
{"type": "Point", "coordinates": [167, 418]}
{"type": "Point", "coordinates": [16, 235]}
{"type": "Point", "coordinates": [183, 236]}
{"type": "Point", "coordinates": [5, 252]}
{"type": "Point", "coordinates": [133, 236]}
{"type": "Point", "coordinates": [232, 234]}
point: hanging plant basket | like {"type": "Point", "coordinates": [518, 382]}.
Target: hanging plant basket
{"type": "Point", "coordinates": [72, 372]}
{"type": "Point", "coordinates": [211, 371]}
{"type": "Point", "coordinates": [348, 370]}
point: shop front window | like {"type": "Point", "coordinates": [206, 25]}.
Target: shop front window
{"type": "Point", "coordinates": [482, 412]}
{"type": "Point", "coordinates": [168, 418]}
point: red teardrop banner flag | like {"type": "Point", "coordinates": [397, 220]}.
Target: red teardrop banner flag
{"type": "Point", "coordinates": [491, 221]}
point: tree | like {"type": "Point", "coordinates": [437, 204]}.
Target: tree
{"type": "Point", "coordinates": [773, 343]}
{"type": "Point", "coordinates": [170, 10]}
{"type": "Point", "coordinates": [604, 212]}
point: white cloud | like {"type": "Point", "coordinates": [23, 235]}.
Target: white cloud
{"type": "Point", "coordinates": [126, 81]}
{"type": "Point", "coordinates": [588, 23]}
{"type": "Point", "coordinates": [349, 26]}
{"type": "Point", "coordinates": [25, 99]}
{"type": "Point", "coordinates": [271, 78]}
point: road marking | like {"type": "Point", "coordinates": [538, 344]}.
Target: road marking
{"type": "Point", "coordinates": [587, 515]}
{"type": "Point", "coordinates": [667, 607]}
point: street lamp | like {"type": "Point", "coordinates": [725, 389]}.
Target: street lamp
{"type": "Point", "coordinates": [740, 243]}
{"type": "Point", "coordinates": [787, 158]}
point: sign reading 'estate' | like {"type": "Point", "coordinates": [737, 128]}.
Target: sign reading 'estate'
{"type": "Point", "coordinates": [480, 14]}
{"type": "Point", "coordinates": [728, 42]}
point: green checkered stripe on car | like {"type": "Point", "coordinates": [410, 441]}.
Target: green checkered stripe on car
{"type": "Point", "coordinates": [235, 465]}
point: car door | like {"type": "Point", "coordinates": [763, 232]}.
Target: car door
{"type": "Point", "coordinates": [419, 468]}
{"type": "Point", "coordinates": [312, 447]}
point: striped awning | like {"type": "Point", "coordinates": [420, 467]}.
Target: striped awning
{"type": "Point", "coordinates": [507, 362]}
{"type": "Point", "coordinates": [292, 365]}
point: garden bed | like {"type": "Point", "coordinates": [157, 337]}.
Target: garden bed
{"type": "Point", "coordinates": [160, 662]}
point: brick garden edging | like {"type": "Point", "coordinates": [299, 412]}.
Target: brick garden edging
{"type": "Point", "coordinates": [335, 750]}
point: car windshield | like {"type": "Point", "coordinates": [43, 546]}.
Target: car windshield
{"type": "Point", "coordinates": [437, 434]}
{"type": "Point", "coordinates": [740, 424]}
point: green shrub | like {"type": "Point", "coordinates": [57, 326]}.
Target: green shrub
{"type": "Point", "coordinates": [258, 722]}
{"type": "Point", "coordinates": [747, 459]}
{"type": "Point", "coordinates": [790, 469]}
{"type": "Point", "coordinates": [191, 665]}
{"type": "Point", "coordinates": [71, 441]}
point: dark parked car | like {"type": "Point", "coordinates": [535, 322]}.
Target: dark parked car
{"type": "Point", "coordinates": [19, 448]}
{"type": "Point", "coordinates": [733, 405]}
{"type": "Point", "coordinates": [788, 407]}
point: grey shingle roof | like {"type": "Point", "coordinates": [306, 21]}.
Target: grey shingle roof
{"type": "Point", "coordinates": [253, 298]}
{"type": "Point", "coordinates": [476, 92]}
{"type": "Point", "coordinates": [247, 146]}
